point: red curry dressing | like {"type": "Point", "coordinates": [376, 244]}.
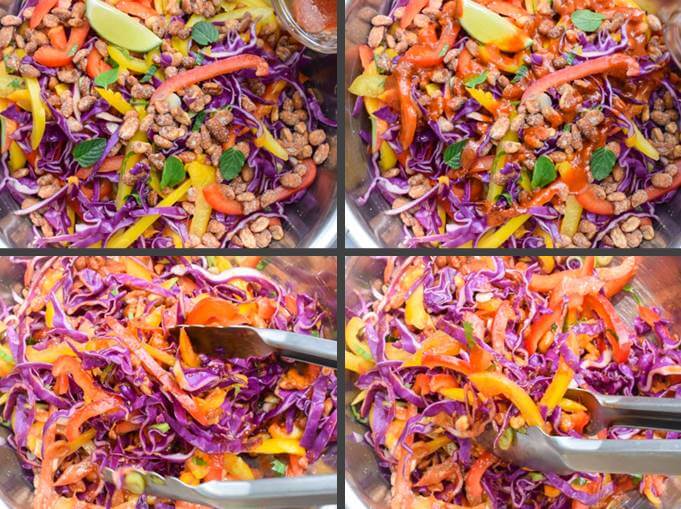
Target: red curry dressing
{"type": "Point", "coordinates": [315, 16]}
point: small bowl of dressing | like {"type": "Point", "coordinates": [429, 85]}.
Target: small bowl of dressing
{"type": "Point", "coordinates": [312, 22]}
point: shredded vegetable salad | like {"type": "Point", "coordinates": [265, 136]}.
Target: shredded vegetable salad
{"type": "Point", "coordinates": [165, 123]}
{"type": "Point", "coordinates": [90, 379]}
{"type": "Point", "coordinates": [520, 124]}
{"type": "Point", "coordinates": [445, 347]}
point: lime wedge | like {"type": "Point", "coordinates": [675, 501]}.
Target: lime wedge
{"type": "Point", "coordinates": [120, 29]}
{"type": "Point", "coordinates": [490, 28]}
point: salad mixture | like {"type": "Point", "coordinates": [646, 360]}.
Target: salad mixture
{"type": "Point", "coordinates": [90, 379]}
{"type": "Point", "coordinates": [156, 123]}
{"type": "Point", "coordinates": [447, 347]}
{"type": "Point", "coordinates": [520, 124]}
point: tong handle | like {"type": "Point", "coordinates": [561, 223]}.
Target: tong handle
{"type": "Point", "coordinates": [302, 347]}
{"type": "Point", "coordinates": [640, 412]}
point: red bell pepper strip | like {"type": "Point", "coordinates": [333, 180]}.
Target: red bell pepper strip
{"type": "Point", "coordinates": [49, 56]}
{"type": "Point", "coordinates": [503, 315]}
{"type": "Point", "coordinates": [366, 55]}
{"type": "Point", "coordinates": [473, 480]}
{"type": "Point", "coordinates": [75, 472]}
{"type": "Point", "coordinates": [607, 64]}
{"type": "Point", "coordinates": [412, 8]}
{"type": "Point", "coordinates": [39, 11]}
{"type": "Point", "coordinates": [214, 311]}
{"type": "Point", "coordinates": [427, 55]}
{"type": "Point", "coordinates": [408, 108]}
{"type": "Point", "coordinates": [205, 72]}
{"type": "Point", "coordinates": [88, 411]}
{"type": "Point", "coordinates": [616, 278]}
{"type": "Point", "coordinates": [540, 326]}
{"type": "Point", "coordinates": [546, 282]}
{"type": "Point", "coordinates": [136, 9]}
{"type": "Point", "coordinates": [67, 365]}
{"type": "Point", "coordinates": [218, 201]}
{"type": "Point", "coordinates": [618, 333]}
{"type": "Point", "coordinates": [96, 64]}
{"type": "Point", "coordinates": [655, 192]}
{"type": "Point", "coordinates": [167, 381]}
{"type": "Point", "coordinates": [57, 37]}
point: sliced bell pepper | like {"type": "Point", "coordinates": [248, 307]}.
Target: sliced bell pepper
{"type": "Point", "coordinates": [205, 72]}
{"type": "Point", "coordinates": [129, 236]}
{"type": "Point", "coordinates": [539, 327]}
{"type": "Point", "coordinates": [503, 315]}
{"type": "Point", "coordinates": [415, 313]}
{"type": "Point", "coordinates": [136, 9]}
{"type": "Point", "coordinates": [490, 54]}
{"type": "Point", "coordinates": [237, 468]}
{"type": "Point", "coordinates": [215, 311]}
{"type": "Point", "coordinates": [201, 175]}
{"type": "Point", "coordinates": [558, 386]}
{"type": "Point", "coordinates": [96, 64]}
{"type": "Point", "coordinates": [221, 203]}
{"type": "Point", "coordinates": [115, 99]}
{"type": "Point", "coordinates": [50, 56]}
{"type": "Point", "coordinates": [618, 333]}
{"type": "Point", "coordinates": [40, 10]}
{"type": "Point", "coordinates": [356, 345]}
{"type": "Point", "coordinates": [357, 364]}
{"type": "Point", "coordinates": [38, 112]}
{"type": "Point", "coordinates": [408, 108]}
{"type": "Point", "coordinates": [126, 61]}
{"type": "Point", "coordinates": [492, 384]}
{"type": "Point", "coordinates": [572, 216]}
{"type": "Point", "coordinates": [270, 143]}
{"type": "Point", "coordinates": [430, 55]}
{"type": "Point", "coordinates": [279, 446]}
{"type": "Point", "coordinates": [484, 98]}
{"type": "Point", "coordinates": [88, 411]}
{"type": "Point", "coordinates": [616, 278]}
{"type": "Point", "coordinates": [615, 63]}
{"type": "Point", "coordinates": [639, 142]}
{"type": "Point", "coordinates": [412, 8]}
{"type": "Point", "coordinates": [57, 37]}
{"type": "Point", "coordinates": [431, 360]}
{"type": "Point", "coordinates": [368, 85]}
{"type": "Point", "coordinates": [501, 235]}
{"type": "Point", "coordinates": [473, 481]}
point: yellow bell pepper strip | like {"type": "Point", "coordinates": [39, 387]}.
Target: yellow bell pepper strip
{"type": "Point", "coordinates": [494, 190]}
{"type": "Point", "coordinates": [206, 72]}
{"type": "Point", "coordinates": [356, 363]}
{"type": "Point", "coordinates": [49, 355]}
{"type": "Point", "coordinates": [571, 217]}
{"type": "Point", "coordinates": [357, 346]}
{"type": "Point", "coordinates": [237, 468]}
{"type": "Point", "coordinates": [279, 446]}
{"type": "Point", "coordinates": [639, 142]}
{"type": "Point", "coordinates": [38, 112]}
{"type": "Point", "coordinates": [21, 98]}
{"type": "Point", "coordinates": [187, 353]}
{"type": "Point", "coordinates": [9, 84]}
{"type": "Point", "coordinates": [387, 158]}
{"type": "Point", "coordinates": [571, 406]}
{"type": "Point", "coordinates": [201, 175]}
{"type": "Point", "coordinates": [368, 85]}
{"type": "Point", "coordinates": [492, 384]}
{"type": "Point", "coordinates": [558, 386]}
{"type": "Point", "coordinates": [486, 99]}
{"type": "Point", "coordinates": [17, 158]}
{"type": "Point", "coordinates": [502, 234]}
{"type": "Point", "coordinates": [134, 268]}
{"type": "Point", "coordinates": [6, 361]}
{"type": "Point", "coordinates": [159, 355]}
{"type": "Point", "coordinates": [115, 99]}
{"type": "Point", "coordinates": [126, 61]}
{"type": "Point", "coordinates": [269, 143]}
{"type": "Point", "coordinates": [415, 313]}
{"type": "Point", "coordinates": [129, 236]}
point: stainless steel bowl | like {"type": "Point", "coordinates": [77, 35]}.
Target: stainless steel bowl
{"type": "Point", "coordinates": [366, 225]}
{"type": "Point", "coordinates": [314, 275]}
{"type": "Point", "coordinates": [312, 222]}
{"type": "Point", "coordinates": [658, 281]}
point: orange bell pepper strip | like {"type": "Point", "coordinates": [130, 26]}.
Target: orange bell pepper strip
{"type": "Point", "coordinates": [205, 72]}
{"type": "Point", "coordinates": [187, 353]}
{"type": "Point", "coordinates": [39, 11]}
{"type": "Point", "coordinates": [136, 9]}
{"type": "Point", "coordinates": [490, 54]}
{"type": "Point", "coordinates": [618, 333]}
{"type": "Point", "coordinates": [507, 9]}
{"type": "Point", "coordinates": [493, 384]}
{"type": "Point", "coordinates": [49, 56]}
{"type": "Point", "coordinates": [215, 311]}
{"type": "Point", "coordinates": [408, 108]}
{"type": "Point", "coordinates": [539, 327]}
{"type": "Point", "coordinates": [616, 278]}
{"type": "Point", "coordinates": [57, 37]}
{"type": "Point", "coordinates": [545, 283]}
{"type": "Point", "coordinates": [75, 472]}
{"type": "Point", "coordinates": [67, 365]}
{"type": "Point", "coordinates": [446, 361]}
{"type": "Point", "coordinates": [617, 62]}
{"type": "Point", "coordinates": [167, 381]}
{"type": "Point", "coordinates": [366, 55]}
{"type": "Point", "coordinates": [503, 315]}
{"type": "Point", "coordinates": [412, 8]}
{"type": "Point", "coordinates": [473, 481]}
{"type": "Point", "coordinates": [88, 411]}
{"type": "Point", "coordinates": [96, 64]}
{"type": "Point", "coordinates": [218, 201]}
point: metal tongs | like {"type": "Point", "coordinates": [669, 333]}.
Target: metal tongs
{"type": "Point", "coordinates": [565, 455]}
{"type": "Point", "coordinates": [239, 342]}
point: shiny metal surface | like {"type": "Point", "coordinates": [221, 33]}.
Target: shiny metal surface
{"type": "Point", "coordinates": [366, 224]}
{"type": "Point", "coordinates": [312, 221]}
{"type": "Point", "coordinates": [658, 281]}
{"type": "Point", "coordinates": [314, 275]}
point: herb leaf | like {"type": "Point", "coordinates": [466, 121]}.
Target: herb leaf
{"type": "Point", "coordinates": [149, 74]}
{"type": "Point", "coordinates": [107, 77]}
{"type": "Point", "coordinates": [570, 57]}
{"type": "Point", "coordinates": [279, 467]}
{"type": "Point", "coordinates": [602, 162]}
{"type": "Point", "coordinates": [476, 80]}
{"type": "Point", "coordinates": [544, 172]}
{"type": "Point", "coordinates": [231, 162]}
{"type": "Point", "coordinates": [522, 72]}
{"type": "Point", "coordinates": [452, 154]}
{"type": "Point", "coordinates": [87, 153]}
{"type": "Point", "coordinates": [199, 461]}
{"type": "Point", "coordinates": [198, 120]}
{"type": "Point", "coordinates": [205, 33]}
{"type": "Point", "coordinates": [163, 427]}
{"type": "Point", "coordinates": [468, 332]}
{"type": "Point", "coordinates": [443, 51]}
{"type": "Point", "coordinates": [587, 20]}
{"type": "Point", "coordinates": [173, 172]}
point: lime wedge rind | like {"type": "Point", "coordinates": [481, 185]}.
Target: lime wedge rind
{"type": "Point", "coordinates": [120, 29]}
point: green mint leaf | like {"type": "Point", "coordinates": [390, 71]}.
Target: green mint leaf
{"type": "Point", "coordinates": [163, 427]}
{"type": "Point", "coordinates": [149, 74]}
{"type": "Point", "coordinates": [468, 332]}
{"type": "Point", "coordinates": [602, 162]}
{"type": "Point", "coordinates": [279, 467]}
{"type": "Point", "coordinates": [198, 121]}
{"type": "Point", "coordinates": [231, 162]}
{"type": "Point", "coordinates": [544, 172]}
{"type": "Point", "coordinates": [87, 153]}
{"type": "Point", "coordinates": [107, 78]}
{"type": "Point", "coordinates": [199, 461]}
{"type": "Point", "coordinates": [199, 58]}
{"type": "Point", "coordinates": [205, 33]}
{"type": "Point", "coordinates": [173, 172]}
{"type": "Point", "coordinates": [443, 51]}
{"type": "Point", "coordinates": [586, 20]}
{"type": "Point", "coordinates": [73, 50]}
{"type": "Point", "coordinates": [476, 80]}
{"type": "Point", "coordinates": [570, 58]}
{"type": "Point", "coordinates": [522, 72]}
{"type": "Point", "coordinates": [452, 154]}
